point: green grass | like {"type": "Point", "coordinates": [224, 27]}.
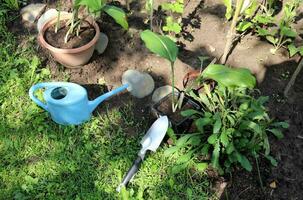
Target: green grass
{"type": "Point", "coordinates": [42, 160]}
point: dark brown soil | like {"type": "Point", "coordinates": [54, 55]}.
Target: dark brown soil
{"type": "Point", "coordinates": [204, 34]}
{"type": "Point", "coordinates": [164, 107]}
{"type": "Point", "coordinates": [86, 34]}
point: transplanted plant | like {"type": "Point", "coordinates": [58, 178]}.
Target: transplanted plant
{"type": "Point", "coordinates": [173, 20]}
{"type": "Point", "coordinates": [232, 125]}
{"type": "Point", "coordinates": [94, 9]}
{"type": "Point", "coordinates": [166, 48]}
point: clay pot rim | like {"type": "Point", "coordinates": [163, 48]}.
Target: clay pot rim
{"type": "Point", "coordinates": [49, 23]}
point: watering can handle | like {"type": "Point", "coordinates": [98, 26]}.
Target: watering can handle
{"type": "Point", "coordinates": [31, 94]}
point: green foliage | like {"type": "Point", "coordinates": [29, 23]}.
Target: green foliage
{"type": "Point", "coordinates": [229, 10]}
{"type": "Point", "coordinates": [231, 127]}
{"type": "Point", "coordinates": [10, 4]}
{"type": "Point", "coordinates": [173, 20]}
{"type": "Point", "coordinates": [160, 45]}
{"type": "Point", "coordinates": [229, 77]}
{"type": "Point", "coordinates": [280, 33]}
{"type": "Point", "coordinates": [94, 9]}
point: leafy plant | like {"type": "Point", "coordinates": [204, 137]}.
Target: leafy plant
{"type": "Point", "coordinates": [231, 127]}
{"type": "Point", "coordinates": [166, 48]}
{"type": "Point", "coordinates": [94, 8]}
{"type": "Point", "coordinates": [11, 4]}
{"type": "Point", "coordinates": [173, 20]}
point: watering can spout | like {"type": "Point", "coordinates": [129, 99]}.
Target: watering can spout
{"type": "Point", "coordinates": [93, 104]}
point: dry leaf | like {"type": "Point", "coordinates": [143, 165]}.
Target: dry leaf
{"type": "Point", "coordinates": [273, 185]}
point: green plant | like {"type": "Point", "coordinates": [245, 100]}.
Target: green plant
{"type": "Point", "coordinates": [94, 8]}
{"type": "Point", "coordinates": [166, 48]}
{"type": "Point", "coordinates": [149, 6]}
{"type": "Point", "coordinates": [11, 4]}
{"type": "Point", "coordinates": [231, 127]}
{"type": "Point", "coordinates": [173, 20]}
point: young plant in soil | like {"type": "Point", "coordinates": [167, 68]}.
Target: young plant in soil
{"type": "Point", "coordinates": [173, 20]}
{"type": "Point", "coordinates": [165, 48]}
{"type": "Point", "coordinates": [232, 126]}
{"type": "Point", "coordinates": [94, 9]}
{"type": "Point", "coordinates": [149, 6]}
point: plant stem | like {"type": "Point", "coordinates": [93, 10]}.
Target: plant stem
{"type": "Point", "coordinates": [293, 78]}
{"type": "Point", "coordinates": [259, 174]}
{"type": "Point", "coordinates": [151, 14]}
{"type": "Point", "coordinates": [173, 85]}
{"type": "Point", "coordinates": [58, 21]}
{"type": "Point", "coordinates": [231, 32]}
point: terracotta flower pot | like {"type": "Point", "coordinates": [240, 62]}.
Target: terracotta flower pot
{"type": "Point", "coordinates": [71, 58]}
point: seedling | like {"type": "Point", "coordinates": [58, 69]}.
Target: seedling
{"type": "Point", "coordinates": [166, 48]}
{"type": "Point", "coordinates": [173, 20]}
{"type": "Point", "coordinates": [149, 6]}
{"type": "Point", "coordinates": [94, 9]}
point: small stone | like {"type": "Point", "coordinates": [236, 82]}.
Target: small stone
{"type": "Point", "coordinates": [161, 92]}
{"type": "Point", "coordinates": [102, 43]}
{"type": "Point", "coordinates": [140, 84]}
{"type": "Point", "coordinates": [31, 12]}
{"type": "Point", "coordinates": [273, 185]}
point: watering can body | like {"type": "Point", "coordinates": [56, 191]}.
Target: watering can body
{"type": "Point", "coordinates": [68, 103]}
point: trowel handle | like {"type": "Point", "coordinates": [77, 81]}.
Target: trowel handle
{"type": "Point", "coordinates": [32, 96]}
{"type": "Point", "coordinates": [131, 172]}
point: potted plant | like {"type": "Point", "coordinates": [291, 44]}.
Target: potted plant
{"type": "Point", "coordinates": [71, 39]}
{"type": "Point", "coordinates": [175, 102]}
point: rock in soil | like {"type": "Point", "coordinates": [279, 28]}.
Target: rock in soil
{"type": "Point", "coordinates": [161, 92]}
{"type": "Point", "coordinates": [31, 12]}
{"type": "Point", "coordinates": [102, 43]}
{"type": "Point", "coordinates": [141, 84]}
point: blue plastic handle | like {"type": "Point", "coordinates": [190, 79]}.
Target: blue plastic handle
{"type": "Point", "coordinates": [32, 96]}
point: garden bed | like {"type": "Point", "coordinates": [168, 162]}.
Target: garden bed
{"type": "Point", "coordinates": [203, 33]}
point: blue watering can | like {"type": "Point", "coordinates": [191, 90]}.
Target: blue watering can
{"type": "Point", "coordinates": [68, 103]}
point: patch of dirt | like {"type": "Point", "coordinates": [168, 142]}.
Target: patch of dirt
{"type": "Point", "coordinates": [204, 35]}
{"type": "Point", "coordinates": [86, 34]}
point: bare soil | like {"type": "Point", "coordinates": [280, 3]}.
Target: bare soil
{"type": "Point", "coordinates": [203, 34]}
{"type": "Point", "coordinates": [86, 34]}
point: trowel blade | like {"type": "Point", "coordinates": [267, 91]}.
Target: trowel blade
{"type": "Point", "coordinates": [154, 136]}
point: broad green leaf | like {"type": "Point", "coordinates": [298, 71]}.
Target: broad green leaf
{"type": "Point", "coordinates": [243, 26]}
{"type": "Point", "coordinates": [276, 132]}
{"type": "Point", "coordinates": [288, 32]}
{"type": "Point", "coordinates": [263, 32]}
{"type": "Point", "coordinates": [117, 14]}
{"type": "Point", "coordinates": [244, 162]}
{"type": "Point", "coordinates": [224, 138]}
{"type": "Point", "coordinates": [230, 148]}
{"type": "Point", "coordinates": [264, 19]}
{"type": "Point", "coordinates": [185, 158]}
{"type": "Point", "coordinates": [292, 50]}
{"type": "Point", "coordinates": [281, 124]}
{"type": "Point", "coordinates": [251, 125]}
{"type": "Point", "coordinates": [271, 39]}
{"type": "Point", "coordinates": [171, 150]}
{"type": "Point", "coordinates": [160, 45]}
{"type": "Point", "coordinates": [230, 77]}
{"type": "Point", "coordinates": [183, 140]}
{"type": "Point", "coordinates": [93, 6]}
{"type": "Point", "coordinates": [229, 10]}
{"type": "Point", "coordinates": [215, 156]}
{"type": "Point", "coordinates": [218, 123]}
{"type": "Point", "coordinates": [212, 139]}
{"type": "Point", "coordinates": [190, 112]}
{"type": "Point", "coordinates": [201, 166]}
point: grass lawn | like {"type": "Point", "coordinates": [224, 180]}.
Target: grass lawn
{"type": "Point", "coordinates": [42, 160]}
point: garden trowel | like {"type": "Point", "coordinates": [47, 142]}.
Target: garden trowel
{"type": "Point", "coordinates": [151, 141]}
